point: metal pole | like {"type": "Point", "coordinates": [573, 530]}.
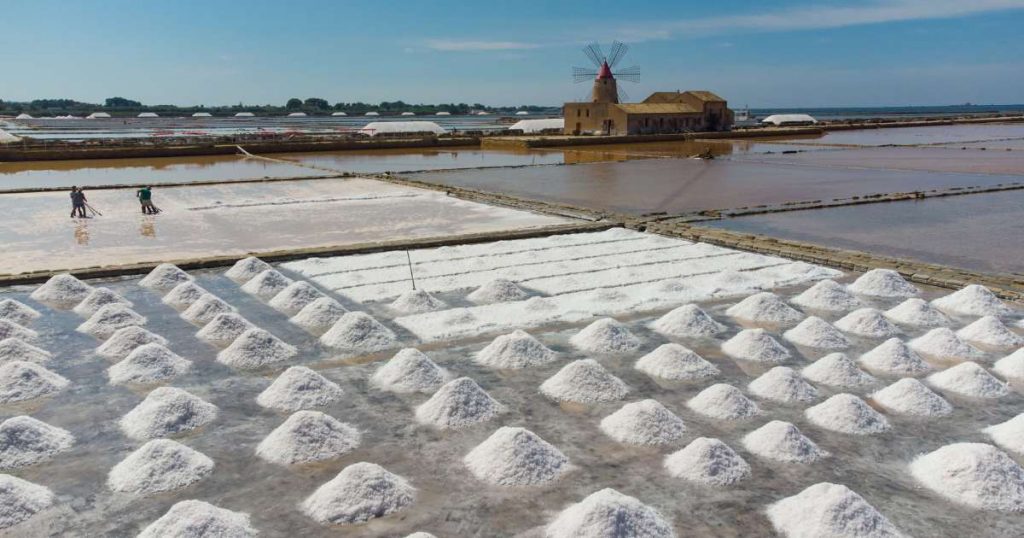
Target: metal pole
{"type": "Point", "coordinates": [408, 257]}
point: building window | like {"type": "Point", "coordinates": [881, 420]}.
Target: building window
{"type": "Point", "coordinates": [578, 112]}
{"type": "Point", "coordinates": [588, 112]}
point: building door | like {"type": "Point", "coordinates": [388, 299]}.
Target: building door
{"type": "Point", "coordinates": [578, 128]}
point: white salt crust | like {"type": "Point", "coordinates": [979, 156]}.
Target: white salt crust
{"type": "Point", "coordinates": [827, 510]}
{"type": "Point", "coordinates": [358, 332]}
{"type": "Point", "coordinates": [764, 307]}
{"type": "Point", "coordinates": [883, 283]}
{"type": "Point", "coordinates": [13, 349]}
{"type": "Point", "coordinates": [9, 329]}
{"type": "Point", "coordinates": [515, 351]}
{"type": "Point", "coordinates": [516, 457]}
{"type": "Point", "coordinates": [224, 329]}
{"type": "Point", "coordinates": [608, 513]}
{"type": "Point", "coordinates": [18, 312]}
{"type": "Point", "coordinates": [498, 290]}
{"type": "Point", "coordinates": [26, 441]}
{"type": "Point", "coordinates": [816, 333]}
{"type": "Point", "coordinates": [20, 381]}
{"type": "Point", "coordinates": [894, 357]}
{"type": "Point", "coordinates": [421, 535]}
{"type": "Point", "coordinates": [21, 499]}
{"type": "Point", "coordinates": [783, 384]}
{"type": "Point", "coordinates": [868, 323]}
{"type": "Point", "coordinates": [108, 319]}
{"type": "Point", "coordinates": [360, 492]}
{"type": "Point", "coordinates": [646, 422]}
{"type": "Point", "coordinates": [972, 300]}
{"type": "Point", "coordinates": [729, 283]}
{"type": "Point", "coordinates": [458, 404]}
{"type": "Point", "coordinates": [755, 345]}
{"type": "Point", "coordinates": [916, 312]}
{"type": "Point", "coordinates": [977, 475]}
{"type": "Point", "coordinates": [584, 381]}
{"type": "Point", "coordinates": [97, 299]}
{"type": "Point", "coordinates": [1009, 434]}
{"type": "Point", "coordinates": [416, 302]}
{"type": "Point", "coordinates": [782, 441]}
{"type": "Point", "coordinates": [846, 413]}
{"type": "Point", "coordinates": [989, 332]}
{"type": "Point", "coordinates": [126, 340]}
{"type": "Point", "coordinates": [1011, 366]}
{"type": "Point", "coordinates": [266, 284]}
{"type": "Point", "coordinates": [167, 412]}
{"type": "Point", "coordinates": [605, 335]}
{"type": "Point", "coordinates": [295, 297]}
{"type": "Point", "coordinates": [164, 277]}
{"type": "Point", "coordinates": [159, 465]}
{"type": "Point", "coordinates": [969, 379]}
{"type": "Point", "coordinates": [320, 315]}
{"type": "Point", "coordinates": [677, 363]}
{"type": "Point", "coordinates": [944, 344]}
{"type": "Point", "coordinates": [688, 321]}
{"type": "Point", "coordinates": [409, 371]}
{"type": "Point", "coordinates": [255, 349]}
{"type": "Point", "coordinates": [707, 461]}
{"type": "Point", "coordinates": [724, 402]}
{"type": "Point", "coordinates": [245, 269]}
{"type": "Point", "coordinates": [148, 364]}
{"type": "Point", "coordinates": [298, 388]}
{"type": "Point", "coordinates": [205, 309]}
{"type": "Point", "coordinates": [837, 370]}
{"type": "Point", "coordinates": [62, 291]}
{"type": "Point", "coordinates": [909, 396]}
{"type": "Point", "coordinates": [826, 296]}
{"type": "Point", "coordinates": [196, 519]}
{"type": "Point", "coordinates": [306, 437]}
{"type": "Point", "coordinates": [184, 295]}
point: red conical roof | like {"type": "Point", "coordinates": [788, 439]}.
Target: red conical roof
{"type": "Point", "coordinates": [605, 72]}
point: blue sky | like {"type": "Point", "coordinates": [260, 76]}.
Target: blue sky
{"type": "Point", "coordinates": [761, 53]}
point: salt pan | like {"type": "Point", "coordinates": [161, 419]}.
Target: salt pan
{"type": "Point", "coordinates": [184, 295]}
{"type": "Point", "coordinates": [514, 351]}
{"type": "Point", "coordinates": [159, 465]}
{"type": "Point", "coordinates": [266, 284]}
{"type": "Point", "coordinates": [97, 299]}
{"type": "Point", "coordinates": [677, 363]}
{"type": "Point", "coordinates": [867, 322]}
{"type": "Point", "coordinates": [109, 319]}
{"type": "Point", "coordinates": [306, 437]}
{"type": "Point", "coordinates": [409, 371]}
{"type": "Point", "coordinates": [894, 357]}
{"type": "Point", "coordinates": [164, 277]}
{"type": "Point", "coordinates": [989, 332]}
{"type": "Point", "coordinates": [783, 384]}
{"type": "Point", "coordinates": [21, 499]}
{"type": "Point", "coordinates": [1011, 365]}
{"type": "Point", "coordinates": [755, 345]}
{"type": "Point", "coordinates": [320, 315]}
{"type": "Point", "coordinates": [972, 300]}
{"type": "Point", "coordinates": [13, 349]}
{"type": "Point", "coordinates": [782, 441]}
{"type": "Point", "coordinates": [724, 402]}
{"type": "Point", "coordinates": [708, 461]}
{"type": "Point", "coordinates": [17, 312]}
{"type": "Point", "coordinates": [205, 309]}
{"type": "Point", "coordinates": [909, 396]}
{"type": "Point", "coordinates": [837, 370]}
{"type": "Point", "coordinates": [827, 510]}
{"type": "Point", "coordinates": [498, 290]}
{"type": "Point", "coordinates": [358, 332]}
{"type": "Point", "coordinates": [62, 291]}
{"type": "Point", "coordinates": [944, 344]}
{"type": "Point", "coordinates": [916, 312]}
{"type": "Point", "coordinates": [9, 329]}
{"type": "Point", "coordinates": [416, 302]}
{"type": "Point", "coordinates": [608, 513]}
{"type": "Point", "coordinates": [196, 519]}
{"type": "Point", "coordinates": [515, 457]}
{"type": "Point", "coordinates": [1009, 434]}
{"type": "Point", "coordinates": [148, 363]}
{"type": "Point", "coordinates": [584, 381]}
{"type": "Point", "coordinates": [846, 413]}
{"type": "Point", "coordinates": [883, 283]}
{"type": "Point", "coordinates": [816, 333]}
{"type": "Point", "coordinates": [166, 412]}
{"type": "Point", "coordinates": [245, 269]}
{"type": "Point", "coordinates": [764, 307]}
{"type": "Point", "coordinates": [646, 422]}
{"type": "Point", "coordinates": [605, 336]}
{"type": "Point", "coordinates": [125, 340]}
{"type": "Point", "coordinates": [826, 296]}
{"type": "Point", "coordinates": [298, 388]}
{"type": "Point", "coordinates": [458, 404]}
{"type": "Point", "coordinates": [295, 297]}
{"type": "Point", "coordinates": [223, 329]}
{"type": "Point", "coordinates": [26, 441]}
{"type": "Point", "coordinates": [688, 321]}
{"type": "Point", "coordinates": [969, 379]}
{"type": "Point", "coordinates": [20, 380]}
{"type": "Point", "coordinates": [974, 474]}
{"type": "Point", "coordinates": [255, 349]}
{"type": "Point", "coordinates": [360, 492]}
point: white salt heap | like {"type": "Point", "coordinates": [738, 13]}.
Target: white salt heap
{"type": "Point", "coordinates": [109, 319]}
{"type": "Point", "coordinates": [782, 441]}
{"type": "Point", "coordinates": [688, 321]}
{"type": "Point", "coordinates": [605, 336]}
{"type": "Point", "coordinates": [97, 299]}
{"type": "Point", "coordinates": [62, 291]}
{"type": "Point", "coordinates": [13, 349]}
{"type": "Point", "coordinates": [969, 379]}
{"type": "Point", "coordinates": [894, 357]}
{"type": "Point", "coordinates": [723, 401]}
{"type": "Point", "coordinates": [755, 345]}
{"type": "Point", "coordinates": [458, 404]}
{"type": "Point", "coordinates": [416, 302]}
{"type": "Point", "coordinates": [868, 323]}
{"type": "Point", "coordinates": [360, 492]}
{"type": "Point", "coordinates": [816, 333]}
{"type": "Point", "coordinates": [764, 307]}
{"type": "Point", "coordinates": [198, 519]}
{"type": "Point", "coordinates": [515, 457]}
{"type": "Point", "coordinates": [298, 388]}
{"type": "Point", "coordinates": [409, 371]}
{"type": "Point", "coordinates": [707, 461]}
{"type": "Point", "coordinates": [184, 295]}
{"type": "Point", "coordinates": [584, 381]}
{"type": "Point", "coordinates": [358, 332]}
{"type": "Point", "coordinates": [421, 535]}
{"type": "Point", "coordinates": [205, 309]}
{"type": "Point", "coordinates": [20, 380]}
{"type": "Point", "coordinates": [166, 412]}
{"type": "Point", "coordinates": [224, 329]}
{"type": "Point", "coordinates": [21, 499]}
{"type": "Point", "coordinates": [498, 290]}
{"type": "Point", "coordinates": [646, 422]}
{"type": "Point", "coordinates": [295, 297]}
{"type": "Point", "coordinates": [989, 332]}
{"type": "Point", "coordinates": [783, 384]}
{"type": "Point", "coordinates": [514, 351]}
{"type": "Point", "coordinates": [837, 370]}
{"type": "Point", "coordinates": [26, 441]}
{"type": "Point", "coordinates": [159, 465]}
{"type": "Point", "coordinates": [846, 413]}
{"type": "Point", "coordinates": [1009, 434]}
{"type": "Point", "coordinates": [17, 312]}
{"type": "Point", "coordinates": [729, 283]}
{"type": "Point", "coordinates": [916, 312]}
{"type": "Point", "coordinates": [974, 474]}
{"type": "Point", "coordinates": [972, 300]}
{"type": "Point", "coordinates": [306, 437]}
{"type": "Point", "coordinates": [148, 363]}
{"type": "Point", "coordinates": [9, 329]}
{"type": "Point", "coordinates": [125, 340]}
{"type": "Point", "coordinates": [245, 269]}
{"type": "Point", "coordinates": [1011, 365]}
{"type": "Point", "coordinates": [827, 510]}
{"type": "Point", "coordinates": [266, 284]}
{"type": "Point", "coordinates": [677, 363]}
{"type": "Point", "coordinates": [909, 396]}
{"type": "Point", "coordinates": [164, 277]}
{"type": "Point", "coordinates": [320, 315]}
{"type": "Point", "coordinates": [943, 343]}
{"type": "Point", "coordinates": [826, 296]}
{"type": "Point", "coordinates": [255, 349]}
{"type": "Point", "coordinates": [607, 514]}
{"type": "Point", "coordinates": [883, 283]}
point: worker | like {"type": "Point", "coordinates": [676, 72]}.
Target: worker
{"type": "Point", "coordinates": [145, 196]}
{"type": "Point", "coordinates": [77, 203]}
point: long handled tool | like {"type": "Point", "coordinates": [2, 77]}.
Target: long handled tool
{"type": "Point", "coordinates": [91, 208]}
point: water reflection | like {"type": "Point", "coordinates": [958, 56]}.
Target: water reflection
{"type": "Point", "coordinates": [81, 232]}
{"type": "Point", "coordinates": [147, 227]}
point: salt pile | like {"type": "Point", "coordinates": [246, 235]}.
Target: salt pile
{"type": "Point", "coordinates": [184, 295]}
{"type": "Point", "coordinates": [9, 329]}
{"type": "Point", "coordinates": [783, 384]}
{"type": "Point", "coordinates": [458, 404]}
{"type": "Point", "coordinates": [125, 340]}
{"type": "Point", "coordinates": [360, 492]}
{"type": "Point", "coordinates": [164, 277]}
{"type": "Point", "coordinates": [1009, 434]}
{"type": "Point", "coordinates": [320, 315]}
{"type": "Point", "coordinates": [969, 379]}
{"type": "Point", "coordinates": [514, 351]}
{"type": "Point", "coordinates": [295, 297]}
{"type": "Point", "coordinates": [223, 329]}
{"type": "Point", "coordinates": [21, 499]}
{"type": "Point", "coordinates": [975, 474]}
{"type": "Point", "coordinates": [846, 413]}
{"type": "Point", "coordinates": [109, 319]}
{"type": "Point", "coordinates": [816, 333]}
{"type": "Point", "coordinates": [867, 322]}
{"type": "Point", "coordinates": [266, 284]}
{"type": "Point", "coordinates": [829, 510]}
{"type": "Point", "coordinates": [255, 349]}
{"type": "Point", "coordinates": [917, 313]}
{"type": "Point", "coordinates": [764, 307]}
{"type": "Point", "coordinates": [200, 519]}
{"type": "Point", "coordinates": [605, 336]}
{"type": "Point", "coordinates": [159, 465]}
{"type": "Point", "coordinates": [608, 513]}
{"type": "Point", "coordinates": [782, 441]}
{"type": "Point", "coordinates": [972, 300]}
{"type": "Point", "coordinates": [723, 401]}
{"type": "Point", "coordinates": [990, 332]}
{"type": "Point", "coordinates": [584, 381]}
{"type": "Point", "coordinates": [298, 388]}
{"type": "Point", "coordinates": [308, 436]}
{"type": "Point", "coordinates": [943, 343]}
{"type": "Point", "coordinates": [20, 380]}
{"type": "Point", "coordinates": [894, 357]}
{"type": "Point", "coordinates": [1011, 365]}
{"type": "Point", "coordinates": [205, 309]}
{"type": "Point", "coordinates": [498, 290]}
{"type": "Point", "coordinates": [826, 296]}
{"type": "Point", "coordinates": [166, 412]}
{"type": "Point", "coordinates": [837, 370]}
{"type": "Point", "coordinates": [13, 349]}
{"type": "Point", "coordinates": [729, 283]}
{"type": "Point", "coordinates": [26, 441]}
{"type": "Point", "coordinates": [417, 301]}
{"type": "Point", "coordinates": [883, 283]}
{"type": "Point", "coordinates": [62, 291]}
{"type": "Point", "coordinates": [514, 457]}
{"type": "Point", "coordinates": [646, 422]}
{"type": "Point", "coordinates": [755, 345]}
{"type": "Point", "coordinates": [539, 304]}
{"type": "Point", "coordinates": [909, 396]}
{"type": "Point", "coordinates": [409, 371]}
{"type": "Point", "coordinates": [707, 461]}
{"type": "Point", "coordinates": [97, 299]}
{"type": "Point", "coordinates": [245, 269]}
{"type": "Point", "coordinates": [148, 363]}
{"type": "Point", "coordinates": [421, 535]}
{"type": "Point", "coordinates": [677, 363]}
{"type": "Point", "coordinates": [17, 312]}
{"type": "Point", "coordinates": [688, 321]}
{"type": "Point", "coordinates": [359, 332]}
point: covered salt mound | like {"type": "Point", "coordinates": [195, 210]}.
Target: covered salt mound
{"type": "Point", "coordinates": [973, 474]}
{"type": "Point", "coordinates": [360, 492]}
{"type": "Point", "coordinates": [646, 422]}
{"type": "Point", "coordinates": [724, 402]}
{"type": "Point", "coordinates": [608, 513]}
{"type": "Point", "coordinates": [829, 510]}
{"type": "Point", "coordinates": [782, 441]}
{"type": "Point", "coordinates": [13, 349]}
{"type": "Point", "coordinates": [224, 329]}
{"type": "Point", "coordinates": [184, 295]}
{"type": "Point", "coordinates": [867, 323]}
{"type": "Point", "coordinates": [298, 388]}
{"type": "Point", "coordinates": [20, 381]}
{"type": "Point", "coordinates": [200, 519]}
{"type": "Point", "coordinates": [515, 351]}
{"type": "Point", "coordinates": [17, 312]}
{"type": "Point", "coordinates": [972, 300]}
{"type": "Point", "coordinates": [320, 315]}
{"type": "Point", "coordinates": [97, 299]}
{"type": "Point", "coordinates": [677, 363]}
{"type": "Point", "coordinates": [266, 284]}
{"type": "Point", "coordinates": [707, 461]}
{"type": "Point", "coordinates": [62, 291]}
{"type": "Point", "coordinates": [148, 364]}
{"type": "Point", "coordinates": [837, 370]}
{"type": "Point", "coordinates": [989, 332]}
{"type": "Point", "coordinates": [164, 277]}
{"type": "Point", "coordinates": [969, 379]}
{"type": "Point", "coordinates": [943, 343]}
{"type": "Point", "coordinates": [755, 345]}
{"type": "Point", "coordinates": [205, 309]}
{"type": "Point", "coordinates": [498, 290]}
{"type": "Point", "coordinates": [1011, 366]}
{"type": "Point", "coordinates": [166, 412]}
{"type": "Point", "coordinates": [294, 298]}
{"type": "Point", "coordinates": [916, 312]}
{"type": "Point", "coordinates": [826, 296]}
{"type": "Point", "coordinates": [909, 396]}
{"type": "Point", "coordinates": [458, 404]}
{"type": "Point", "coordinates": [584, 381]}
{"type": "Point", "coordinates": [306, 437]}
{"type": "Point", "coordinates": [255, 349]}
{"type": "Point", "coordinates": [515, 457]}
{"type": "Point", "coordinates": [688, 321]}
{"type": "Point", "coordinates": [9, 329]}
{"type": "Point", "coordinates": [846, 413]}
{"type": "Point", "coordinates": [108, 319]}
{"type": "Point", "coordinates": [21, 499]}
{"type": "Point", "coordinates": [26, 441]}
{"type": "Point", "coordinates": [894, 357]}
{"type": "Point", "coordinates": [605, 336]}
{"type": "Point", "coordinates": [125, 340]}
{"type": "Point", "coordinates": [783, 384]}
{"type": "Point", "coordinates": [416, 302]}
{"type": "Point", "coordinates": [816, 333]}
{"type": "Point", "coordinates": [883, 283]}
{"type": "Point", "coordinates": [764, 307]}
{"type": "Point", "coordinates": [1009, 434]}
{"type": "Point", "coordinates": [245, 269]}
{"type": "Point", "coordinates": [409, 371]}
{"type": "Point", "coordinates": [159, 465]}
{"type": "Point", "coordinates": [358, 332]}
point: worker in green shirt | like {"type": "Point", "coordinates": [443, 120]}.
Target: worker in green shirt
{"type": "Point", "coordinates": [145, 196]}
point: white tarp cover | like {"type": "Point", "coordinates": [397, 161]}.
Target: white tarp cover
{"type": "Point", "coordinates": [24, 116]}
{"type": "Point", "coordinates": [536, 126]}
{"type": "Point", "coordinates": [7, 138]}
{"type": "Point", "coordinates": [201, 115]}
{"type": "Point", "coordinates": [244, 115]}
{"type": "Point", "coordinates": [372, 113]}
{"type": "Point", "coordinates": [97, 115]}
{"type": "Point", "coordinates": [297, 115]}
{"type": "Point", "coordinates": [148, 115]}
{"type": "Point", "coordinates": [788, 119]}
{"type": "Point", "coordinates": [388, 127]}
{"type": "Point", "coordinates": [522, 113]}
{"type": "Point", "coordinates": [443, 113]}
{"type": "Point", "coordinates": [339, 114]}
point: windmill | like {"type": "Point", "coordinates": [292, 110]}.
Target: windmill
{"type": "Point", "coordinates": [606, 89]}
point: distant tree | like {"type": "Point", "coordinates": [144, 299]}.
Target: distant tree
{"type": "Point", "coordinates": [121, 102]}
{"type": "Point", "coordinates": [317, 103]}
{"type": "Point", "coordinates": [293, 104]}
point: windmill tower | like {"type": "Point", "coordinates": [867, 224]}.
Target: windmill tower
{"type": "Point", "coordinates": [606, 88]}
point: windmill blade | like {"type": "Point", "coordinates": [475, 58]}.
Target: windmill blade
{"type": "Point", "coordinates": [593, 51]}
{"type": "Point", "coordinates": [619, 50]}
{"type": "Point", "coordinates": [623, 96]}
{"type": "Point", "coordinates": [583, 74]}
{"type": "Point", "coordinates": [631, 74]}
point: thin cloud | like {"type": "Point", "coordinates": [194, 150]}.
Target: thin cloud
{"type": "Point", "coordinates": [459, 45]}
